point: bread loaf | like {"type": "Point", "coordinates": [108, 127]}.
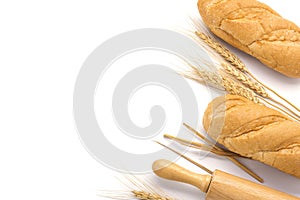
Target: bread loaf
{"type": "Point", "coordinates": [255, 131]}
{"type": "Point", "coordinates": [256, 29]}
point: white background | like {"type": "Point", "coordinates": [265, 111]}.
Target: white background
{"type": "Point", "coordinates": [42, 46]}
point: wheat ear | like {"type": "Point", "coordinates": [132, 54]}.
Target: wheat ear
{"type": "Point", "coordinates": [148, 196]}
{"type": "Point", "coordinates": [222, 51]}
{"type": "Point", "coordinates": [137, 189]}
{"type": "Point", "coordinates": [233, 87]}
{"type": "Point", "coordinates": [134, 194]}
{"type": "Point", "coordinates": [201, 76]}
{"type": "Point", "coordinates": [245, 80]}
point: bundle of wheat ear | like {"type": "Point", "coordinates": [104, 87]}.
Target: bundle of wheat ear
{"type": "Point", "coordinates": [230, 74]}
{"type": "Point", "coordinates": [262, 125]}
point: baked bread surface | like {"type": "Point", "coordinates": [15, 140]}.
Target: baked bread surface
{"type": "Point", "coordinates": [256, 29]}
{"type": "Point", "coordinates": [255, 131]}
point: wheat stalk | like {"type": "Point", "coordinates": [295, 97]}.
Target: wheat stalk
{"type": "Point", "coordinates": [232, 159]}
{"type": "Point", "coordinates": [186, 158]}
{"type": "Point", "coordinates": [200, 146]}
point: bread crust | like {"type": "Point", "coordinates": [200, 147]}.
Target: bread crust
{"type": "Point", "coordinates": [255, 131]}
{"type": "Point", "coordinates": [256, 29]}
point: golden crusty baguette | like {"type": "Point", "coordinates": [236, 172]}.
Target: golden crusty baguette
{"type": "Point", "coordinates": [256, 29]}
{"type": "Point", "coordinates": [255, 131]}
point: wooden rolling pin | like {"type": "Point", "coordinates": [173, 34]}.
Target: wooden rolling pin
{"type": "Point", "coordinates": [219, 186]}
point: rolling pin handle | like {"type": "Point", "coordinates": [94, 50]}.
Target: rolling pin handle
{"type": "Point", "coordinates": [171, 171]}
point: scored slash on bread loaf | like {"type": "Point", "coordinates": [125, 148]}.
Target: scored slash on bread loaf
{"type": "Point", "coordinates": [255, 131]}
{"type": "Point", "coordinates": [256, 29]}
